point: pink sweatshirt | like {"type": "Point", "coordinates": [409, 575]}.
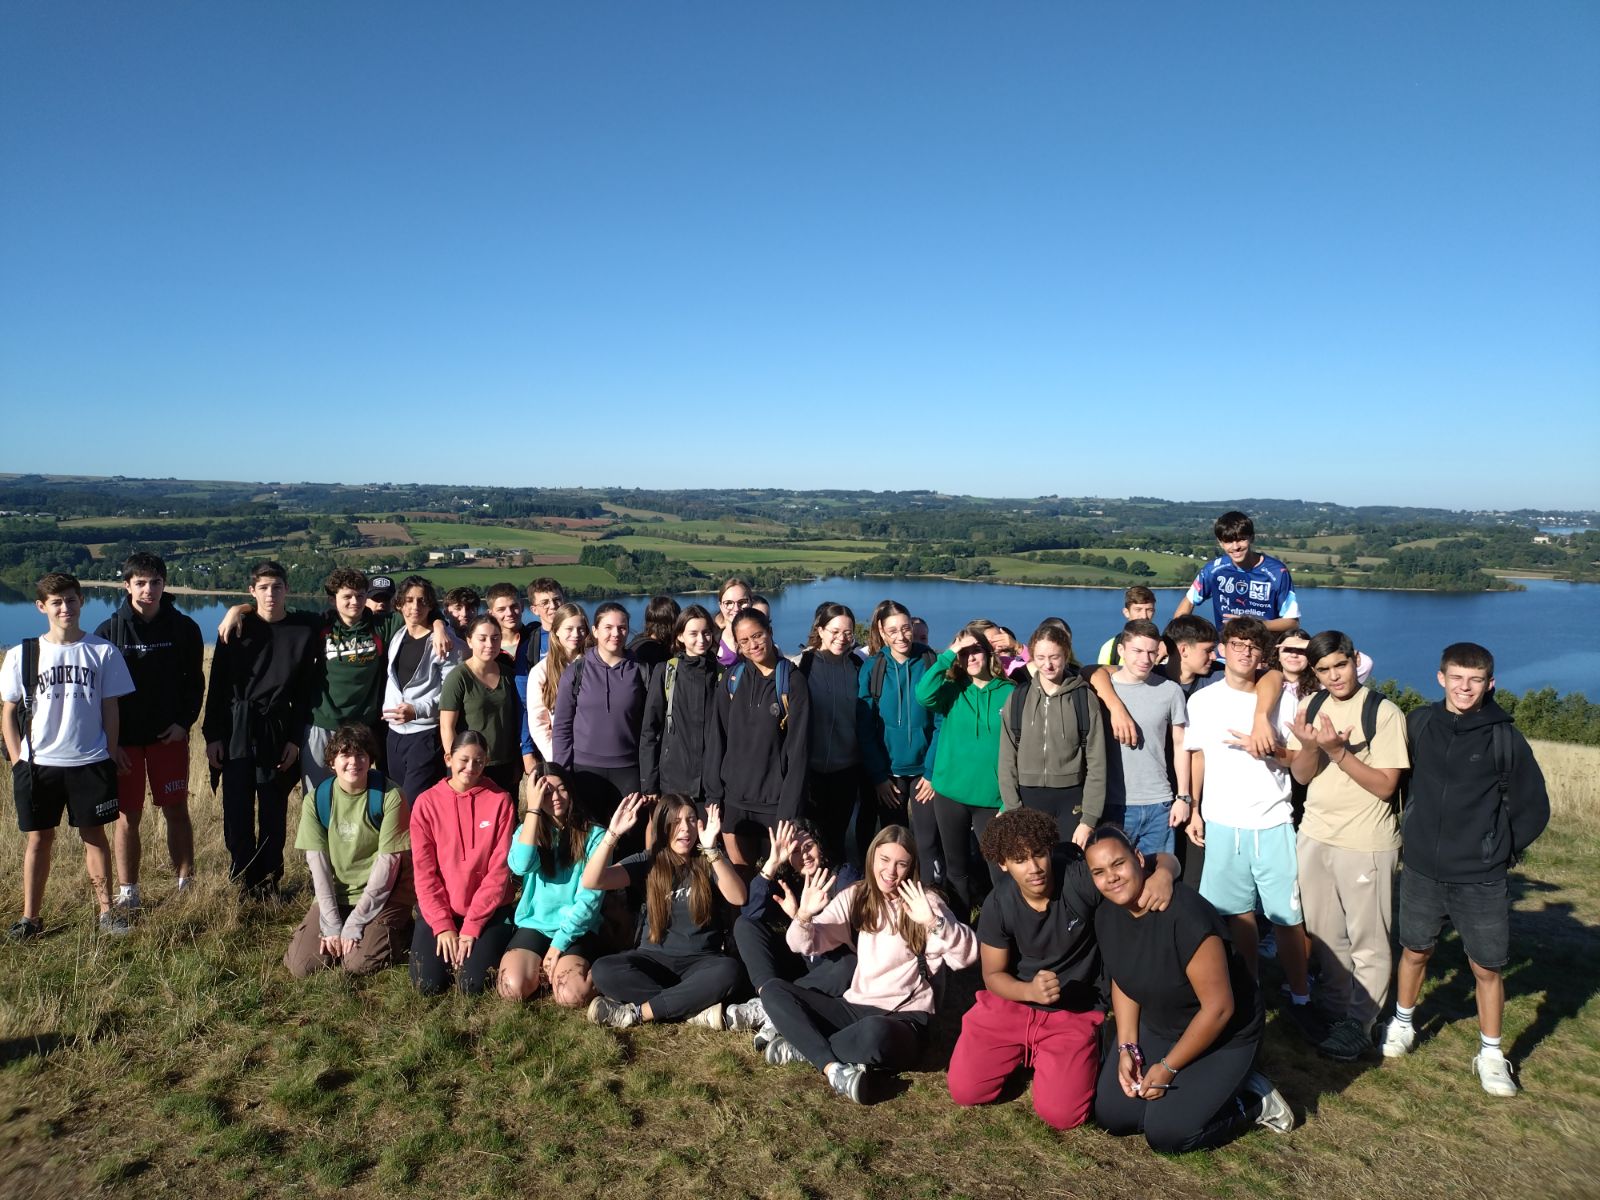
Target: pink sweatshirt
{"type": "Point", "coordinates": [886, 971]}
{"type": "Point", "coordinates": [458, 850]}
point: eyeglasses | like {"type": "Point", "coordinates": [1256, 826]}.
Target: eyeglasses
{"type": "Point", "coordinates": [1239, 647]}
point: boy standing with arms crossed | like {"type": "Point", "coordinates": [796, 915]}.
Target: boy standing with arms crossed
{"type": "Point", "coordinates": [165, 657]}
{"type": "Point", "coordinates": [60, 720]}
{"type": "Point", "coordinates": [1477, 800]}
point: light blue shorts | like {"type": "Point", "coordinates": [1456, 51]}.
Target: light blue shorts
{"type": "Point", "coordinates": [1244, 863]}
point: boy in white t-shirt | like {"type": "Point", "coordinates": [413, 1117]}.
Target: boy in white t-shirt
{"type": "Point", "coordinates": [61, 733]}
{"type": "Point", "coordinates": [1243, 814]}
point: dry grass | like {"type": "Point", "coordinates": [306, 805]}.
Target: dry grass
{"type": "Point", "coordinates": [183, 1060]}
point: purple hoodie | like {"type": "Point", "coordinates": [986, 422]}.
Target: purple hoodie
{"type": "Point", "coordinates": [602, 728]}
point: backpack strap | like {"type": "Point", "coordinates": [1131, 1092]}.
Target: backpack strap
{"type": "Point", "coordinates": [1017, 700]}
{"type": "Point", "coordinates": [876, 674]}
{"type": "Point", "coordinates": [667, 686]}
{"type": "Point", "coordinates": [1315, 706]}
{"type": "Point", "coordinates": [30, 690]}
{"type": "Point", "coordinates": [577, 677]}
{"type": "Point", "coordinates": [376, 787]}
{"type": "Point", "coordinates": [782, 680]}
{"type": "Point", "coordinates": [1080, 704]}
{"type": "Point", "coordinates": [324, 801]}
{"type": "Point", "coordinates": [1369, 714]}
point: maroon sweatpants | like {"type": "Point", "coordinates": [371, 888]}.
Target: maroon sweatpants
{"type": "Point", "coordinates": [998, 1036]}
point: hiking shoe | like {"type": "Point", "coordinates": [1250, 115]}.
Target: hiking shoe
{"type": "Point", "coordinates": [128, 900]}
{"type": "Point", "coordinates": [26, 929]}
{"type": "Point", "coordinates": [1347, 1041]}
{"type": "Point", "coordinates": [781, 1052]}
{"type": "Point", "coordinates": [613, 1013]}
{"type": "Point", "coordinates": [707, 1018]}
{"type": "Point", "coordinates": [846, 1079]}
{"type": "Point", "coordinates": [752, 1014]}
{"type": "Point", "coordinates": [114, 924]}
{"type": "Point", "coordinates": [1307, 1021]}
{"type": "Point", "coordinates": [1398, 1039]}
{"type": "Point", "coordinates": [1274, 1111]}
{"type": "Point", "coordinates": [1494, 1072]}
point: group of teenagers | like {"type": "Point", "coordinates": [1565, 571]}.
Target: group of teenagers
{"type": "Point", "coordinates": [688, 826]}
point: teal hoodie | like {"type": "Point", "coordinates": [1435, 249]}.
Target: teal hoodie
{"type": "Point", "coordinates": [966, 764]}
{"type": "Point", "coordinates": [557, 907]}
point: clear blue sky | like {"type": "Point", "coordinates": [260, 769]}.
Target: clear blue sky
{"type": "Point", "coordinates": [1348, 252]}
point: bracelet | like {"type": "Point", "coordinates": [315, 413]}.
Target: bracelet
{"type": "Point", "coordinates": [1162, 1062]}
{"type": "Point", "coordinates": [712, 852]}
{"type": "Point", "coordinates": [608, 836]}
{"type": "Point", "coordinates": [1132, 1049]}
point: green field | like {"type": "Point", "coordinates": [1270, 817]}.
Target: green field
{"type": "Point", "coordinates": [538, 541]}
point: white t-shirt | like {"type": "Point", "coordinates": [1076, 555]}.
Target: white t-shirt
{"type": "Point", "coordinates": [73, 680]}
{"type": "Point", "coordinates": [1241, 791]}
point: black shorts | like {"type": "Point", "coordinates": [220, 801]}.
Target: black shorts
{"type": "Point", "coordinates": [88, 794]}
{"type": "Point", "coordinates": [586, 947]}
{"type": "Point", "coordinates": [1481, 913]}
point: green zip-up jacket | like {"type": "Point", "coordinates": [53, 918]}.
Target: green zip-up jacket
{"type": "Point", "coordinates": [966, 765]}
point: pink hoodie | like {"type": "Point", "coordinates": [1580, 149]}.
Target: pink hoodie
{"type": "Point", "coordinates": [458, 850]}
{"type": "Point", "coordinates": [886, 975]}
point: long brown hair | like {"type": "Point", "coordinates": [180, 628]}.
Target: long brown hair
{"type": "Point", "coordinates": [976, 629]}
{"type": "Point", "coordinates": [556, 659]}
{"type": "Point", "coordinates": [668, 868]}
{"type": "Point", "coordinates": [869, 907]}
{"type": "Point", "coordinates": [563, 845]}
{"type": "Point", "coordinates": [885, 610]}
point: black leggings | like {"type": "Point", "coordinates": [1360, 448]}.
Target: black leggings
{"type": "Point", "coordinates": [1201, 1110]}
{"type": "Point", "coordinates": [675, 986]}
{"type": "Point", "coordinates": [959, 825]}
{"type": "Point", "coordinates": [831, 797]}
{"type": "Point", "coordinates": [827, 1029]}
{"type": "Point", "coordinates": [766, 956]}
{"type": "Point", "coordinates": [1064, 804]}
{"type": "Point", "coordinates": [431, 974]}
{"type": "Point", "coordinates": [924, 827]}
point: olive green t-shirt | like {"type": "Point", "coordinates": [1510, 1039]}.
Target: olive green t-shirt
{"type": "Point", "coordinates": [1339, 811]}
{"type": "Point", "coordinates": [493, 713]}
{"type": "Point", "coordinates": [350, 841]}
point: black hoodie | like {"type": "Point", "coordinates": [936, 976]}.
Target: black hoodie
{"type": "Point", "coordinates": [165, 656]}
{"type": "Point", "coordinates": [1454, 828]}
{"type": "Point", "coordinates": [750, 763]}
{"type": "Point", "coordinates": [672, 758]}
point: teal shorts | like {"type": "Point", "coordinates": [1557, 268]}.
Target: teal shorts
{"type": "Point", "coordinates": [1242, 864]}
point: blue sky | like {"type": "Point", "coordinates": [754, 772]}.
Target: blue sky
{"type": "Point", "coordinates": [1346, 252]}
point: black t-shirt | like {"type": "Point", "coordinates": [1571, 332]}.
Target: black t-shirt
{"type": "Point", "coordinates": [409, 656]}
{"type": "Point", "coordinates": [1148, 958]}
{"type": "Point", "coordinates": [683, 935]}
{"type": "Point", "coordinates": [1059, 939]}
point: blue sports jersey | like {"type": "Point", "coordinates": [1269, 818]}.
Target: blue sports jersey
{"type": "Point", "coordinates": [1265, 591]}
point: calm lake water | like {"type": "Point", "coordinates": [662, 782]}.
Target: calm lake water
{"type": "Point", "coordinates": [1547, 636]}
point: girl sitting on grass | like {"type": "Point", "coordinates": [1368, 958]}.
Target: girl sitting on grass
{"type": "Point", "coordinates": [460, 828]}
{"type": "Point", "coordinates": [680, 971]}
{"type": "Point", "coordinates": [557, 918]}
{"type": "Point", "coordinates": [902, 934]}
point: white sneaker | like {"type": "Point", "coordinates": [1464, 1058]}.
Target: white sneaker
{"type": "Point", "coordinates": [780, 1052]}
{"type": "Point", "coordinates": [128, 899]}
{"type": "Point", "coordinates": [613, 1013]}
{"type": "Point", "coordinates": [1494, 1072]}
{"type": "Point", "coordinates": [752, 1014]}
{"type": "Point", "coordinates": [1275, 1113]}
{"type": "Point", "coordinates": [707, 1018]}
{"type": "Point", "coordinates": [1398, 1039]}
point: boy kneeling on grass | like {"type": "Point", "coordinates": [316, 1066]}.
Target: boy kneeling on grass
{"type": "Point", "coordinates": [60, 720]}
{"type": "Point", "coordinates": [355, 832]}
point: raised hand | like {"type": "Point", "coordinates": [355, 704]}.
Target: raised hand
{"type": "Point", "coordinates": [915, 898]}
{"type": "Point", "coordinates": [815, 897]}
{"type": "Point", "coordinates": [627, 814]}
{"type": "Point", "coordinates": [784, 838]}
{"type": "Point", "coordinates": [787, 900]}
{"type": "Point", "coordinates": [1331, 740]}
{"type": "Point", "coordinates": [711, 827]}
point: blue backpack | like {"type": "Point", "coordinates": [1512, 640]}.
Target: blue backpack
{"type": "Point", "coordinates": [375, 791]}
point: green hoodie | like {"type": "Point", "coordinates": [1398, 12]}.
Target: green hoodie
{"type": "Point", "coordinates": [967, 763]}
{"type": "Point", "coordinates": [357, 658]}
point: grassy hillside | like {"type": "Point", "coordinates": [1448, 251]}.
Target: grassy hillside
{"type": "Point", "coordinates": [184, 1061]}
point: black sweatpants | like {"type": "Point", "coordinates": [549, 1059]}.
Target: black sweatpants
{"type": "Point", "coordinates": [416, 761]}
{"type": "Point", "coordinates": [766, 956]}
{"type": "Point", "coordinates": [675, 986]}
{"type": "Point", "coordinates": [1199, 1112]}
{"type": "Point", "coordinates": [255, 807]}
{"type": "Point", "coordinates": [431, 974]}
{"type": "Point", "coordinates": [1064, 804]}
{"type": "Point", "coordinates": [832, 796]}
{"type": "Point", "coordinates": [600, 790]}
{"type": "Point", "coordinates": [924, 827]}
{"type": "Point", "coordinates": [828, 1029]}
{"type": "Point", "coordinates": [960, 825]}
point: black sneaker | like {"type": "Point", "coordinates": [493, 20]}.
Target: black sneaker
{"type": "Point", "coordinates": [26, 929]}
{"type": "Point", "coordinates": [1347, 1041]}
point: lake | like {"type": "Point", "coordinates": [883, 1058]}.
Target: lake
{"type": "Point", "coordinates": [1547, 636]}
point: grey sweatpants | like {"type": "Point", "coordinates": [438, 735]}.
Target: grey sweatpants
{"type": "Point", "coordinates": [1348, 900]}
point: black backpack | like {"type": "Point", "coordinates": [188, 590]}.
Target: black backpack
{"type": "Point", "coordinates": [1080, 705]}
{"type": "Point", "coordinates": [1369, 711]}
{"type": "Point", "coordinates": [30, 692]}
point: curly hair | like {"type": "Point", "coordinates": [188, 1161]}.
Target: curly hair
{"type": "Point", "coordinates": [350, 738]}
{"type": "Point", "coordinates": [344, 577]}
{"type": "Point", "coordinates": [1017, 834]}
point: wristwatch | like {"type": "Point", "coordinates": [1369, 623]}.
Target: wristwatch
{"type": "Point", "coordinates": [1185, 799]}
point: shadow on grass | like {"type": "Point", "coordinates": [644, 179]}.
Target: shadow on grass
{"type": "Point", "coordinates": [39, 1046]}
{"type": "Point", "coordinates": [1552, 953]}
